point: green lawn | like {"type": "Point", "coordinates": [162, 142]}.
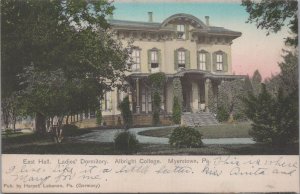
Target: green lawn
{"type": "Point", "coordinates": [238, 130]}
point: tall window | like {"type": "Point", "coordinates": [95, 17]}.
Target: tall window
{"type": "Point", "coordinates": [146, 100]}
{"type": "Point", "coordinates": [202, 61]}
{"type": "Point", "coordinates": [136, 60]}
{"type": "Point", "coordinates": [219, 62]}
{"type": "Point", "coordinates": [180, 31]}
{"type": "Point", "coordinates": [154, 61]}
{"type": "Point", "coordinates": [181, 59]}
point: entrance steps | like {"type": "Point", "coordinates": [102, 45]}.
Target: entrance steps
{"type": "Point", "coordinates": [198, 119]}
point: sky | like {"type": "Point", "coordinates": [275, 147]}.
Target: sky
{"type": "Point", "coordinates": [253, 50]}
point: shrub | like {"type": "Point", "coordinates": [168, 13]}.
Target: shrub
{"type": "Point", "coordinates": [156, 108]}
{"type": "Point", "coordinates": [222, 114]}
{"type": "Point", "coordinates": [126, 141]}
{"type": "Point", "coordinates": [185, 137]}
{"type": "Point", "coordinates": [99, 117]}
{"type": "Point", "coordinates": [176, 112]}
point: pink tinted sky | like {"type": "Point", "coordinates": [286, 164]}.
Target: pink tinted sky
{"type": "Point", "coordinates": [253, 50]}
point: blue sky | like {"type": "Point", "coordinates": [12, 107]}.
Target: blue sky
{"type": "Point", "coordinates": [254, 50]}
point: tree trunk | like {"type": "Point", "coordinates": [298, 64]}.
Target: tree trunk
{"type": "Point", "coordinates": [40, 124]}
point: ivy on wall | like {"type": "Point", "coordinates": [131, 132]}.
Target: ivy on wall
{"type": "Point", "coordinates": [157, 81]}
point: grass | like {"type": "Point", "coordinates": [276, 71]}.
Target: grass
{"type": "Point", "coordinates": [239, 130]}
{"type": "Point", "coordinates": [35, 144]}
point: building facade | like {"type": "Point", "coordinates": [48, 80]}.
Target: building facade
{"type": "Point", "coordinates": [190, 52]}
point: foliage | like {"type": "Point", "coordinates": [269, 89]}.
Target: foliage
{"type": "Point", "coordinates": [98, 117]}
{"type": "Point", "coordinates": [185, 137]}
{"type": "Point", "coordinates": [256, 82]}
{"type": "Point", "coordinates": [126, 112]}
{"type": "Point", "coordinates": [156, 108]}
{"type": "Point", "coordinates": [157, 81]}
{"type": "Point", "coordinates": [273, 15]}
{"type": "Point", "coordinates": [177, 89]}
{"type": "Point", "coordinates": [176, 111]}
{"type": "Point", "coordinates": [222, 114]}
{"type": "Point", "coordinates": [126, 141]}
{"type": "Point", "coordinates": [230, 100]}
{"type": "Point", "coordinates": [275, 119]}
{"type": "Point", "coordinates": [57, 78]}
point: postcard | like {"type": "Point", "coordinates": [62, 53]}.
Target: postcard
{"type": "Point", "coordinates": [149, 97]}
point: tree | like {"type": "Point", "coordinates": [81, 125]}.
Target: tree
{"type": "Point", "coordinates": [274, 15]}
{"type": "Point", "coordinates": [176, 111]}
{"type": "Point", "coordinates": [126, 112]}
{"type": "Point", "coordinates": [274, 118]}
{"type": "Point", "coordinates": [256, 82]}
{"type": "Point", "coordinates": [230, 103]}
{"type": "Point", "coordinates": [67, 56]}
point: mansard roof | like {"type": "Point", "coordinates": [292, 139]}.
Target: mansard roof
{"type": "Point", "coordinates": [200, 27]}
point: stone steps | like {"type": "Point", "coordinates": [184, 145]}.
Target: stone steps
{"type": "Point", "coordinates": [199, 119]}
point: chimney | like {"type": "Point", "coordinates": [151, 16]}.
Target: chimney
{"type": "Point", "coordinates": [207, 20]}
{"type": "Point", "coordinates": [150, 16]}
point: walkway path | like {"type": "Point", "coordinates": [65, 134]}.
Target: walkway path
{"type": "Point", "coordinates": [107, 135]}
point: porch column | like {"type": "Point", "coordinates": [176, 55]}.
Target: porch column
{"type": "Point", "coordinates": [137, 96]}
{"type": "Point", "coordinates": [130, 98]}
{"type": "Point", "coordinates": [207, 82]}
{"type": "Point", "coordinates": [195, 99]}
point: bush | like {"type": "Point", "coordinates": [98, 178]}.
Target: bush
{"type": "Point", "coordinates": [186, 137]}
{"type": "Point", "coordinates": [126, 141]}
{"type": "Point", "coordinates": [222, 114]}
{"type": "Point", "coordinates": [99, 117]}
{"type": "Point", "coordinates": [176, 112]}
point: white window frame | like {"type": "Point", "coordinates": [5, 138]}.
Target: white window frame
{"type": "Point", "coordinates": [202, 61]}
{"type": "Point", "coordinates": [136, 60]}
{"type": "Point", "coordinates": [181, 58]}
{"type": "Point", "coordinates": [146, 100]}
{"type": "Point", "coordinates": [219, 62]}
{"type": "Point", "coordinates": [180, 31]}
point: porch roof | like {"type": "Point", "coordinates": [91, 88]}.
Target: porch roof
{"type": "Point", "coordinates": [205, 74]}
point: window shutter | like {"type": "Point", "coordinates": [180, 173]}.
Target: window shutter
{"type": "Point", "coordinates": [214, 57]}
{"type": "Point", "coordinates": [198, 60]}
{"type": "Point", "coordinates": [187, 31]}
{"type": "Point", "coordinates": [175, 60]}
{"type": "Point", "coordinates": [208, 63]}
{"type": "Point", "coordinates": [159, 58]}
{"type": "Point", "coordinates": [175, 32]}
{"type": "Point", "coordinates": [225, 62]}
{"type": "Point", "coordinates": [187, 59]}
{"type": "Point", "coordinates": [149, 60]}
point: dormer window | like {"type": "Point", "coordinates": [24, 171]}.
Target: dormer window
{"type": "Point", "coordinates": [180, 31]}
